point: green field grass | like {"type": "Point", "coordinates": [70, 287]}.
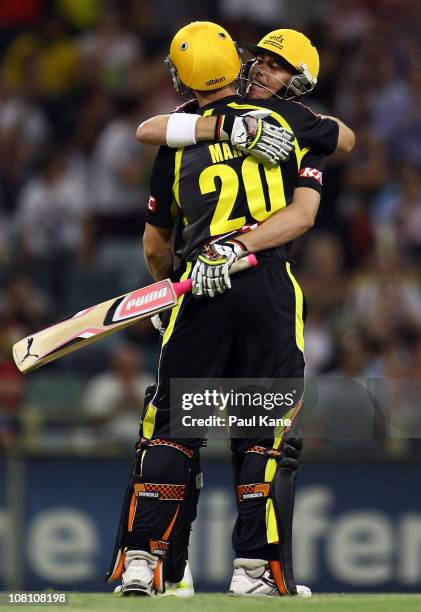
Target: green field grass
{"type": "Point", "coordinates": [382, 602]}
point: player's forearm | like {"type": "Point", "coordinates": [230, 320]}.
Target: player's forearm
{"type": "Point", "coordinates": [346, 137]}
{"type": "Point", "coordinates": [154, 130]}
{"type": "Point", "coordinates": [282, 227]}
{"type": "Point", "coordinates": [157, 251]}
{"type": "Point", "coordinates": [285, 225]}
{"type": "Point", "coordinates": [160, 264]}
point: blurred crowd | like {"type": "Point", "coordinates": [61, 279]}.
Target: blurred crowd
{"type": "Point", "coordinates": [76, 78]}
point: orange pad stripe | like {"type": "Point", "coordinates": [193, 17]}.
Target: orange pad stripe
{"type": "Point", "coordinates": [119, 566]}
{"type": "Point", "coordinates": [162, 492]}
{"type": "Point", "coordinates": [157, 577]}
{"type": "Point", "coordinates": [157, 574]}
{"type": "Point", "coordinates": [276, 569]}
{"type": "Point", "coordinates": [159, 548]}
{"type": "Point", "coordinates": [261, 450]}
{"type": "Point", "coordinates": [251, 492]}
{"type": "Point", "coordinates": [184, 449]}
{"type": "Point", "coordinates": [296, 410]}
{"type": "Point", "coordinates": [168, 530]}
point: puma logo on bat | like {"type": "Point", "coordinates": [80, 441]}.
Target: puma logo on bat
{"type": "Point", "coordinates": [28, 350]}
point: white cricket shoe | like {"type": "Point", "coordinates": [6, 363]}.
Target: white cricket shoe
{"type": "Point", "coordinates": [252, 577]}
{"type": "Point", "coordinates": [137, 579]}
{"type": "Point", "coordinates": [303, 591]}
{"type": "Point", "coordinates": [184, 588]}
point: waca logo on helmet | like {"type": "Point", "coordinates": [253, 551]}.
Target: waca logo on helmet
{"type": "Point", "coordinates": [276, 40]}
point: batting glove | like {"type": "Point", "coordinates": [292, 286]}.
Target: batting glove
{"type": "Point", "coordinates": [160, 321]}
{"type": "Point", "coordinates": [157, 322]}
{"type": "Point", "coordinates": [211, 271]}
{"type": "Point", "coordinates": [270, 143]}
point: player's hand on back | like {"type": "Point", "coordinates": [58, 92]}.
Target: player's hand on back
{"type": "Point", "coordinates": [270, 143]}
{"type": "Point", "coordinates": [211, 270]}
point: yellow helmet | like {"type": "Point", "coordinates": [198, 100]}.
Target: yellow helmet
{"type": "Point", "coordinates": [297, 51]}
{"type": "Point", "coordinates": [203, 57]}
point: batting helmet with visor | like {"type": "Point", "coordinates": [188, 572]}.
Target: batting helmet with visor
{"type": "Point", "coordinates": [297, 54]}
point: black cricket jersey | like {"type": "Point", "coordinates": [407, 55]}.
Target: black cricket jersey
{"type": "Point", "coordinates": [212, 188]}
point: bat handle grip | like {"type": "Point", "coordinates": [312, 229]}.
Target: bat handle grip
{"type": "Point", "coordinates": [241, 264]}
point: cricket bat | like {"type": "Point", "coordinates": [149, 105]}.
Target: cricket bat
{"type": "Point", "coordinates": [96, 322]}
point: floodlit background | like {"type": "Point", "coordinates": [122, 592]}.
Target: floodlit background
{"type": "Point", "coordinates": [76, 78]}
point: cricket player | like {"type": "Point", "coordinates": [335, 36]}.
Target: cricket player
{"type": "Point", "coordinates": [250, 326]}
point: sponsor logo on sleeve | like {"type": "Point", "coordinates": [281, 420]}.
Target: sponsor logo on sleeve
{"type": "Point", "coordinates": [152, 204]}
{"type": "Point", "coordinates": [312, 173]}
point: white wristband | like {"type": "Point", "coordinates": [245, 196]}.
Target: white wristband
{"type": "Point", "coordinates": [181, 130]}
